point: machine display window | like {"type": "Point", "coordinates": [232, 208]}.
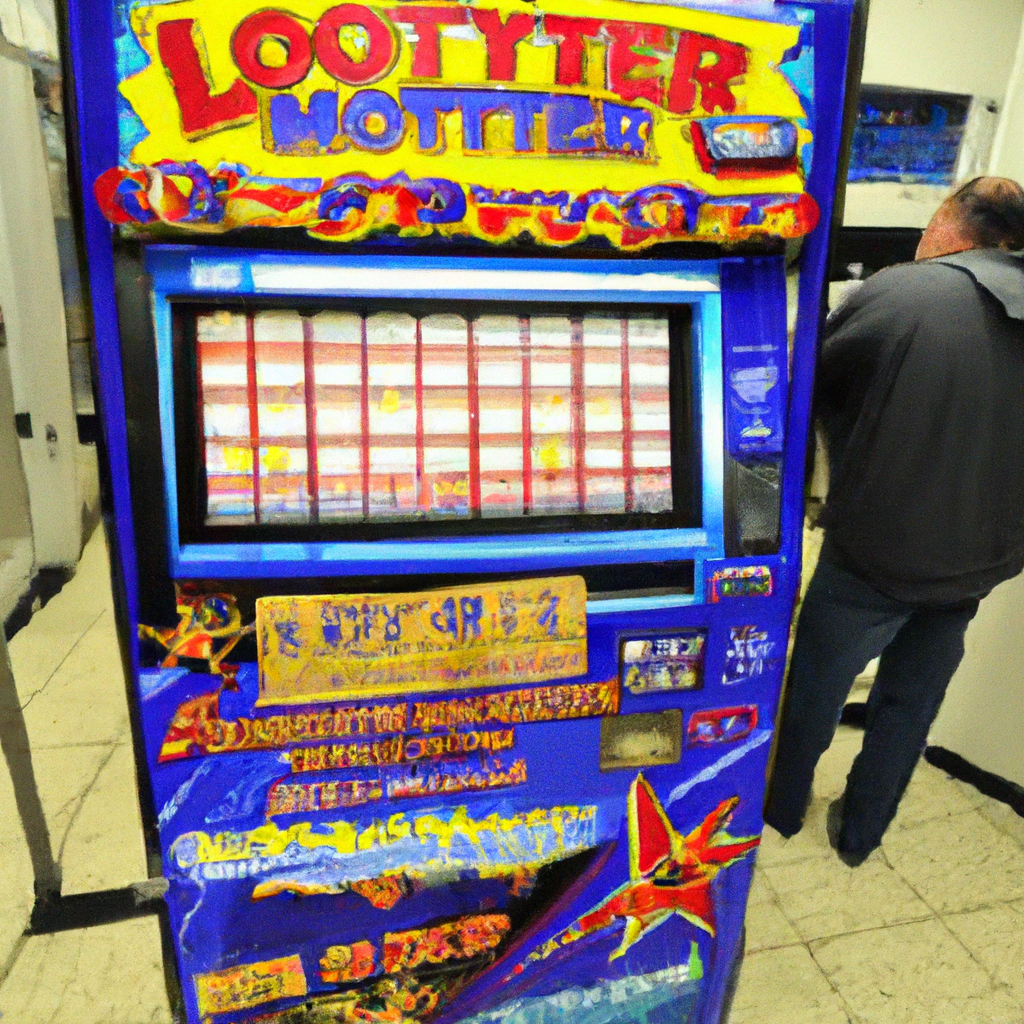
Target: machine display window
{"type": "Point", "coordinates": [384, 419]}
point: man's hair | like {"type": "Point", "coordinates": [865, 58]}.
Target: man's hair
{"type": "Point", "coordinates": [991, 210]}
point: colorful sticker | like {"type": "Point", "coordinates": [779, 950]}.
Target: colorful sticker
{"type": "Point", "coordinates": [399, 750]}
{"type": "Point", "coordinates": [636, 741]}
{"type": "Point", "coordinates": [209, 626]}
{"type": "Point", "coordinates": [668, 874]}
{"type": "Point", "coordinates": [664, 662]}
{"type": "Point", "coordinates": [749, 655]}
{"type": "Point", "coordinates": [197, 728]}
{"type": "Point", "coordinates": [450, 780]}
{"type": "Point", "coordinates": [491, 119]}
{"type": "Point", "coordinates": [370, 645]}
{"type": "Point", "coordinates": [300, 797]}
{"type": "Point", "coordinates": [755, 416]}
{"type": "Point", "coordinates": [238, 988]}
{"type": "Point", "coordinates": [341, 964]}
{"type": "Point", "coordinates": [721, 725]}
{"type": "Point", "coordinates": [428, 849]}
{"type": "Point", "coordinates": [740, 581]}
{"type": "Point", "coordinates": [459, 940]}
{"type": "Point", "coordinates": [290, 797]}
{"type": "Point", "coordinates": [664, 995]}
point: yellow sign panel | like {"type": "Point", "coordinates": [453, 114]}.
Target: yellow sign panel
{"type": "Point", "coordinates": [237, 988]}
{"type": "Point", "coordinates": [561, 119]}
{"type": "Point", "coordinates": [372, 645]}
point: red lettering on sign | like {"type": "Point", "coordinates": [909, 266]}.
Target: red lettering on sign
{"type": "Point", "coordinates": [628, 74]}
{"type": "Point", "coordinates": [248, 39]}
{"type": "Point", "coordinates": [381, 45]}
{"type": "Point", "coordinates": [202, 112]}
{"type": "Point", "coordinates": [569, 69]}
{"type": "Point", "coordinates": [713, 79]}
{"type": "Point", "coordinates": [426, 55]}
{"type": "Point", "coordinates": [501, 41]}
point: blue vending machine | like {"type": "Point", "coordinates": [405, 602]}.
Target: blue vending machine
{"type": "Point", "coordinates": [455, 362]}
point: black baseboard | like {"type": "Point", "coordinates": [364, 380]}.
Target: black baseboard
{"type": "Point", "coordinates": [985, 782]}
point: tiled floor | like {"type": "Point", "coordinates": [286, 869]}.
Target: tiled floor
{"type": "Point", "coordinates": [929, 931]}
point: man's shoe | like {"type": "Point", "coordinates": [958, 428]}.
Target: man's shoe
{"type": "Point", "coordinates": [833, 826]}
{"type": "Point", "coordinates": [786, 832]}
{"type": "Point", "coordinates": [784, 823]}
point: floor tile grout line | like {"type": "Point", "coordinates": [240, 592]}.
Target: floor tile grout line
{"type": "Point", "coordinates": [49, 679]}
{"type": "Point", "coordinates": [113, 744]}
{"type": "Point", "coordinates": [933, 914]}
{"type": "Point", "coordinates": [112, 741]}
{"type": "Point", "coordinates": [806, 944]}
{"type": "Point", "coordinates": [945, 816]}
{"type": "Point", "coordinates": [996, 986]}
{"type": "Point", "coordinates": [847, 1009]}
{"type": "Point", "coordinates": [777, 902]}
{"type": "Point", "coordinates": [759, 869]}
{"type": "Point", "coordinates": [872, 928]}
{"type": "Point", "coordinates": [941, 919]}
{"type": "Point", "coordinates": [772, 949]}
{"type": "Point", "coordinates": [55, 1017]}
{"type": "Point", "coordinates": [82, 798]}
{"type": "Point", "coordinates": [930, 916]}
{"type": "Point", "coordinates": [12, 960]}
{"type": "Point", "coordinates": [999, 828]}
{"type": "Point", "coordinates": [850, 1016]}
{"type": "Point", "coordinates": [820, 855]}
{"type": "Point", "coordinates": [22, 941]}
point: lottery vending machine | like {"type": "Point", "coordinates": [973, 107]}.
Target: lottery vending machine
{"type": "Point", "coordinates": [456, 414]}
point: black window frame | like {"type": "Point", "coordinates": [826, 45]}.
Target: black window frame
{"type": "Point", "coordinates": [190, 468]}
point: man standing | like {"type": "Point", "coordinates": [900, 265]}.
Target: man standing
{"type": "Point", "coordinates": [921, 393]}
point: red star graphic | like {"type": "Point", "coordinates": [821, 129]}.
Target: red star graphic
{"type": "Point", "coordinates": [668, 873]}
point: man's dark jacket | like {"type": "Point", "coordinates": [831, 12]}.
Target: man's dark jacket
{"type": "Point", "coordinates": [921, 393]}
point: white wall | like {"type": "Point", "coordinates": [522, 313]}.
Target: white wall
{"type": "Point", "coordinates": [982, 718]}
{"type": "Point", "coordinates": [16, 554]}
{"type": "Point", "coordinates": [964, 46]}
{"type": "Point", "coordinates": [32, 301]}
{"type": "Point", "coordinates": [1008, 152]}
{"type": "Point", "coordinates": [959, 46]}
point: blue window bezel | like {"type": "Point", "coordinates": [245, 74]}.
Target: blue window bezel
{"type": "Point", "coordinates": [230, 273]}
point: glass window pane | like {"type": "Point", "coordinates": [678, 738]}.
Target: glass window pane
{"type": "Point", "coordinates": [391, 408]}
{"type": "Point", "coordinates": [499, 353]}
{"type": "Point", "coordinates": [224, 395]}
{"type": "Point", "coordinates": [337, 366]}
{"type": "Point", "coordinates": [281, 416]}
{"type": "Point", "coordinates": [649, 399]}
{"type": "Point", "coordinates": [393, 416]}
{"type": "Point", "coordinates": [445, 487]}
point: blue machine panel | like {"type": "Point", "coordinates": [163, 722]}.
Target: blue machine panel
{"type": "Point", "coordinates": [755, 354]}
{"type": "Point", "coordinates": [456, 630]}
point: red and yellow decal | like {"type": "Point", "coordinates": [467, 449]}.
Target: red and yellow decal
{"type": "Point", "coordinates": [494, 119]}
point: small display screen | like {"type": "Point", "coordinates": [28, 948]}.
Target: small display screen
{"type": "Point", "coordinates": [376, 416]}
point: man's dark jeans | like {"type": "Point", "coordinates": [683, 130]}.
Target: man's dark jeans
{"type": "Point", "coordinates": [844, 623]}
